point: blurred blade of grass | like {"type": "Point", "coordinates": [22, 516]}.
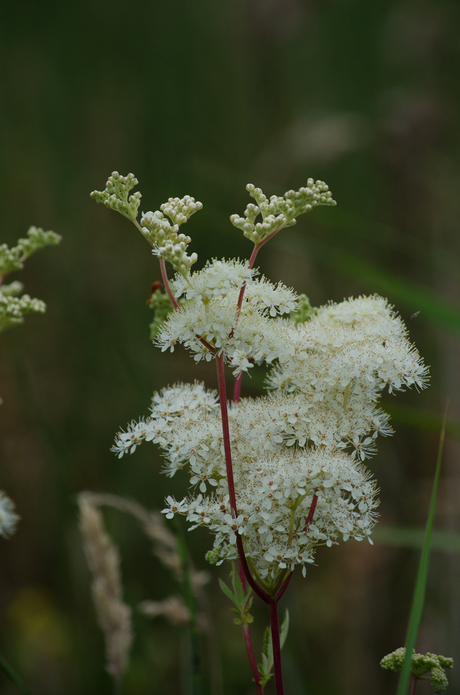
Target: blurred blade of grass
{"type": "Point", "coordinates": [13, 676]}
{"type": "Point", "coordinates": [372, 232]}
{"type": "Point", "coordinates": [434, 309]}
{"type": "Point", "coordinates": [421, 419]}
{"type": "Point", "coordinates": [406, 537]}
{"type": "Point", "coordinates": [420, 584]}
{"type": "Point", "coordinates": [407, 293]}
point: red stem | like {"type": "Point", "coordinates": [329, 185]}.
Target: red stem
{"type": "Point", "coordinates": [226, 433]}
{"type": "Point", "coordinates": [237, 388]}
{"type": "Point", "coordinates": [275, 630]}
{"type": "Point", "coordinates": [314, 502]}
{"type": "Point", "coordinates": [252, 259]}
{"type": "Point", "coordinates": [252, 660]}
{"type": "Point", "coordinates": [164, 275]}
{"type": "Point", "coordinates": [261, 593]}
{"type": "Point", "coordinates": [248, 641]}
{"type": "Point", "coordinates": [414, 685]}
{"type": "Point", "coordinates": [284, 586]}
{"type": "Point", "coordinates": [230, 480]}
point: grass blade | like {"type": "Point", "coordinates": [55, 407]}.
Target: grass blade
{"type": "Point", "coordinates": [420, 584]}
{"type": "Point", "coordinates": [13, 676]}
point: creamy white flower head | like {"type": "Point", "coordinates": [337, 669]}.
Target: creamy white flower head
{"type": "Point", "coordinates": [185, 401]}
{"type": "Point", "coordinates": [8, 517]}
{"type": "Point", "coordinates": [338, 350]}
{"type": "Point", "coordinates": [373, 316]}
{"type": "Point", "coordinates": [217, 279]}
{"type": "Point", "coordinates": [249, 336]}
{"type": "Point", "coordinates": [296, 485]}
{"type": "Point", "coordinates": [275, 496]}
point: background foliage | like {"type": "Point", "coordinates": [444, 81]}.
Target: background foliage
{"type": "Point", "coordinates": [201, 98]}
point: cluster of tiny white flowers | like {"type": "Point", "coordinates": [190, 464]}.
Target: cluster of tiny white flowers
{"type": "Point", "coordinates": [209, 324]}
{"type": "Point", "coordinates": [8, 517]}
{"type": "Point", "coordinates": [217, 279]}
{"type": "Point", "coordinates": [307, 437]}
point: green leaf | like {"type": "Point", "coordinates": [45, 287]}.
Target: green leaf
{"type": "Point", "coordinates": [267, 648]}
{"type": "Point", "coordinates": [284, 628]}
{"type": "Point", "coordinates": [420, 585]}
{"type": "Point", "coordinates": [229, 594]}
{"type": "Point", "coordinates": [238, 587]}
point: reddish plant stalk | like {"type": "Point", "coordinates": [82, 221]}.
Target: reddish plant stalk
{"type": "Point", "coordinates": [284, 586]}
{"type": "Point", "coordinates": [164, 275]}
{"type": "Point", "coordinates": [314, 502]}
{"type": "Point", "coordinates": [414, 685]}
{"type": "Point", "coordinates": [162, 268]}
{"type": "Point", "coordinates": [275, 630]}
{"type": "Point", "coordinates": [257, 589]}
{"type": "Point", "coordinates": [237, 388]}
{"type": "Point", "coordinates": [252, 259]}
{"type": "Point", "coordinates": [252, 660]}
{"type": "Point", "coordinates": [226, 433]}
{"type": "Point", "coordinates": [248, 641]}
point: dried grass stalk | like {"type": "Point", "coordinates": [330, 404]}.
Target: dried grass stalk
{"type": "Point", "coordinates": [113, 615]}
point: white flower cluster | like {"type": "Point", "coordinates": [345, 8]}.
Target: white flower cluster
{"type": "Point", "coordinates": [210, 324]}
{"type": "Point", "coordinates": [275, 482]}
{"type": "Point", "coordinates": [297, 452]}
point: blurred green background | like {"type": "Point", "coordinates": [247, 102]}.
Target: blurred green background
{"type": "Point", "coordinates": [200, 98]}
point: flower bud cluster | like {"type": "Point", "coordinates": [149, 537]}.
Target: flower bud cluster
{"type": "Point", "coordinates": [116, 195]}
{"type": "Point", "coordinates": [165, 238]}
{"type": "Point", "coordinates": [12, 307]}
{"type": "Point", "coordinates": [278, 211]}
{"type": "Point", "coordinates": [13, 258]}
{"type": "Point", "coordinates": [421, 664]}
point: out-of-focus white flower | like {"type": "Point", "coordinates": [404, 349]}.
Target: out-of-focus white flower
{"type": "Point", "coordinates": [8, 517]}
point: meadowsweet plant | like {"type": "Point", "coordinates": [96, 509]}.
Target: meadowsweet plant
{"type": "Point", "coordinates": [275, 477]}
{"type": "Point", "coordinates": [13, 307]}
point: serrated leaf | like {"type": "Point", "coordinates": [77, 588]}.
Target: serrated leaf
{"type": "Point", "coordinates": [284, 628]}
{"type": "Point", "coordinates": [228, 592]}
{"type": "Point", "coordinates": [238, 587]}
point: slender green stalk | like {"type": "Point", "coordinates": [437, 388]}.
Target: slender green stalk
{"type": "Point", "coordinates": [13, 676]}
{"type": "Point", "coordinates": [420, 585]}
